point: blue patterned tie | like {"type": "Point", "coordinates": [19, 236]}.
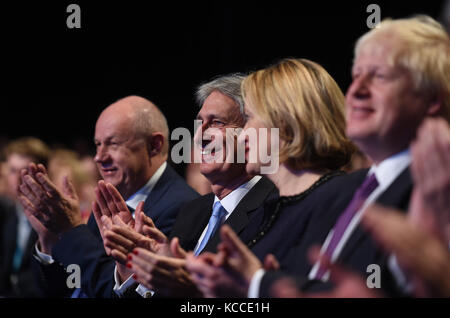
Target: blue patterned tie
{"type": "Point", "coordinates": [215, 221]}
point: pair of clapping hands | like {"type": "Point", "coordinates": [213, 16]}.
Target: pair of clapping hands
{"type": "Point", "coordinates": [138, 246]}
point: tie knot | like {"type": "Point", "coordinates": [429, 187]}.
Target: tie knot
{"type": "Point", "coordinates": [218, 209]}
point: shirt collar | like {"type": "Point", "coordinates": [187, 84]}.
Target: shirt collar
{"type": "Point", "coordinates": [231, 201]}
{"type": "Point", "coordinates": [143, 193]}
{"type": "Point", "coordinates": [389, 169]}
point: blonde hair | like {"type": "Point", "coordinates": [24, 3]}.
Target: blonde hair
{"type": "Point", "coordinates": [300, 98]}
{"type": "Point", "coordinates": [31, 147]}
{"type": "Point", "coordinates": [423, 48]}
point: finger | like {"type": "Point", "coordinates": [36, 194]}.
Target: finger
{"type": "Point", "coordinates": [32, 169]}
{"type": "Point", "coordinates": [176, 249]}
{"type": "Point", "coordinates": [126, 232]}
{"type": "Point", "coordinates": [48, 186]}
{"type": "Point", "coordinates": [31, 196]}
{"type": "Point", "coordinates": [31, 211]}
{"type": "Point", "coordinates": [107, 223]}
{"type": "Point", "coordinates": [231, 241]}
{"type": "Point", "coordinates": [141, 276]}
{"type": "Point", "coordinates": [146, 220]}
{"type": "Point", "coordinates": [119, 256]}
{"type": "Point", "coordinates": [119, 202]}
{"type": "Point", "coordinates": [97, 215]}
{"type": "Point", "coordinates": [271, 263]}
{"type": "Point", "coordinates": [200, 268]}
{"type": "Point", "coordinates": [208, 258]}
{"type": "Point", "coordinates": [108, 199]}
{"type": "Point", "coordinates": [153, 263]}
{"type": "Point", "coordinates": [114, 246]}
{"type": "Point", "coordinates": [220, 258]}
{"type": "Point", "coordinates": [154, 234]}
{"type": "Point", "coordinates": [118, 221]}
{"type": "Point", "coordinates": [119, 240]}
{"type": "Point", "coordinates": [41, 168]}
{"type": "Point", "coordinates": [101, 201]}
{"type": "Point", "coordinates": [68, 188]}
{"type": "Point", "coordinates": [36, 189]}
{"type": "Point", "coordinates": [138, 214]}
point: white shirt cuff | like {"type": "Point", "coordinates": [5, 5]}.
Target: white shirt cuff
{"type": "Point", "coordinates": [42, 258]}
{"type": "Point", "coordinates": [255, 283]}
{"type": "Point", "coordinates": [144, 291]}
{"type": "Point", "coordinates": [120, 289]}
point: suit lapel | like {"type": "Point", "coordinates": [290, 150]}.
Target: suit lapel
{"type": "Point", "coordinates": [10, 239]}
{"type": "Point", "coordinates": [198, 221]}
{"type": "Point", "coordinates": [163, 184]}
{"type": "Point", "coordinates": [396, 195]}
{"type": "Point", "coordinates": [239, 219]}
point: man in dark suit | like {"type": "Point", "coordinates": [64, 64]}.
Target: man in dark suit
{"type": "Point", "coordinates": [131, 137]}
{"type": "Point", "coordinates": [240, 197]}
{"type": "Point", "coordinates": [17, 238]}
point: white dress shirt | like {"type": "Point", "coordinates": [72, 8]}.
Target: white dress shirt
{"type": "Point", "coordinates": [386, 172]}
{"type": "Point", "coordinates": [229, 203]}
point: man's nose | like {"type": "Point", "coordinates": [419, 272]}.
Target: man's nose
{"type": "Point", "coordinates": [101, 155]}
{"type": "Point", "coordinates": [201, 134]}
{"type": "Point", "coordinates": [359, 88]}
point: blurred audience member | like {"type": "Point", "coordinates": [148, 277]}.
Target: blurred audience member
{"type": "Point", "coordinates": [195, 179]}
{"type": "Point", "coordinates": [64, 162]}
{"type": "Point", "coordinates": [18, 238]}
{"type": "Point", "coordinates": [5, 190]}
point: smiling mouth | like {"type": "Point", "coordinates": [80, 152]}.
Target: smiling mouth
{"type": "Point", "coordinates": [361, 111]}
{"type": "Point", "coordinates": [109, 171]}
{"type": "Point", "coordinates": [207, 152]}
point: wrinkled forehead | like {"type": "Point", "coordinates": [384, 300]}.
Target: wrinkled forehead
{"type": "Point", "coordinates": [114, 124]}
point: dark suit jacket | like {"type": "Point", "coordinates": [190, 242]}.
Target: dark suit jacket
{"type": "Point", "coordinates": [195, 215]}
{"type": "Point", "coordinates": [83, 245]}
{"type": "Point", "coordinates": [287, 219]}
{"type": "Point", "coordinates": [359, 251]}
{"type": "Point", "coordinates": [23, 283]}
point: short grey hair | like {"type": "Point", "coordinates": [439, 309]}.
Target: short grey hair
{"type": "Point", "coordinates": [229, 85]}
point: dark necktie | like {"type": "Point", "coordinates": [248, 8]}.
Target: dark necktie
{"type": "Point", "coordinates": [360, 196]}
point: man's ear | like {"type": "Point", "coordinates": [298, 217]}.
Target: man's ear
{"type": "Point", "coordinates": [156, 142]}
{"type": "Point", "coordinates": [435, 106]}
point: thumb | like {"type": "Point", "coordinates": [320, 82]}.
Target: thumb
{"type": "Point", "coordinates": [231, 241]}
{"type": "Point", "coordinates": [138, 217]}
{"type": "Point", "coordinates": [271, 263]}
{"type": "Point", "coordinates": [41, 168]}
{"type": "Point", "coordinates": [176, 249]}
{"type": "Point", "coordinates": [68, 188]}
{"type": "Point", "coordinates": [118, 221]}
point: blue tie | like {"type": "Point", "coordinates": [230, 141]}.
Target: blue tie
{"type": "Point", "coordinates": [215, 221]}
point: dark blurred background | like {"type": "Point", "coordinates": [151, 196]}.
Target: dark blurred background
{"type": "Point", "coordinates": [56, 81]}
